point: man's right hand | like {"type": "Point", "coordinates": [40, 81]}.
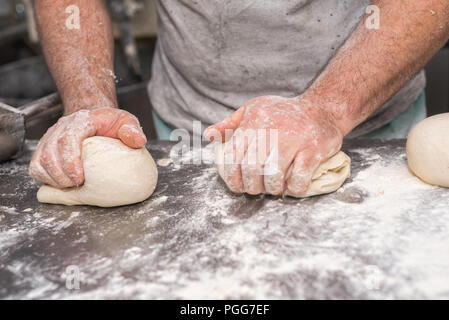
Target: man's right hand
{"type": "Point", "coordinates": [57, 159]}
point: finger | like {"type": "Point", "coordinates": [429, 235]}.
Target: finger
{"type": "Point", "coordinates": [51, 161]}
{"type": "Point", "coordinates": [132, 135]}
{"type": "Point", "coordinates": [70, 135]}
{"type": "Point", "coordinates": [302, 170]}
{"type": "Point", "coordinates": [69, 146]}
{"type": "Point", "coordinates": [36, 170]}
{"type": "Point", "coordinates": [230, 123]}
{"type": "Point", "coordinates": [235, 119]}
{"type": "Point", "coordinates": [234, 151]}
{"type": "Point", "coordinates": [275, 170]}
{"type": "Point", "coordinates": [51, 157]}
{"type": "Point", "coordinates": [252, 165]}
{"type": "Point", "coordinates": [115, 123]}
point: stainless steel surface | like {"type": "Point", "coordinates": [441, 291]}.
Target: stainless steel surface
{"type": "Point", "coordinates": [194, 239]}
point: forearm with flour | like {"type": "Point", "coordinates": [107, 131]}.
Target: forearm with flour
{"type": "Point", "coordinates": [80, 59]}
{"type": "Point", "coordinates": [374, 64]}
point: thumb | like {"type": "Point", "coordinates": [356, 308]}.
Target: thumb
{"type": "Point", "coordinates": [116, 123]}
{"type": "Point", "coordinates": [217, 132]}
{"type": "Point", "coordinates": [132, 135]}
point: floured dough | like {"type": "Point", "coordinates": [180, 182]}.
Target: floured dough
{"type": "Point", "coordinates": [114, 174]}
{"type": "Point", "coordinates": [328, 178]}
{"type": "Point", "coordinates": [428, 150]}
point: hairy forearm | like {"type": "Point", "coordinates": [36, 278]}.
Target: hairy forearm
{"type": "Point", "coordinates": [80, 60]}
{"type": "Point", "coordinates": [374, 64]}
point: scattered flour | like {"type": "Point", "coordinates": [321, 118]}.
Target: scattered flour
{"type": "Point", "coordinates": [383, 235]}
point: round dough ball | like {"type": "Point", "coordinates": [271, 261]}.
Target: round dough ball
{"type": "Point", "coordinates": [114, 173]}
{"type": "Point", "coordinates": [428, 150]}
{"type": "Point", "coordinates": [327, 178]}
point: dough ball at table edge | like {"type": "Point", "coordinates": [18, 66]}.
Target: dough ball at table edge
{"type": "Point", "coordinates": [428, 150]}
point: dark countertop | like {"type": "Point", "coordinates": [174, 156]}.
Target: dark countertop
{"type": "Point", "coordinates": [383, 235]}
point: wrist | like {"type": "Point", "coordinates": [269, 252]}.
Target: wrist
{"type": "Point", "coordinates": [74, 105]}
{"type": "Point", "coordinates": [339, 109]}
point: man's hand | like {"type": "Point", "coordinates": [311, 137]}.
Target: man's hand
{"type": "Point", "coordinates": [81, 63]}
{"type": "Point", "coordinates": [307, 135]}
{"type": "Point", "coordinates": [365, 72]}
{"type": "Point", "coordinates": [57, 160]}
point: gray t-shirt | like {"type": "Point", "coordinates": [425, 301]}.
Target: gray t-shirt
{"type": "Point", "coordinates": [214, 55]}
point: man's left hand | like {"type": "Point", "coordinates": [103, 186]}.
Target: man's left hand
{"type": "Point", "coordinates": [307, 135]}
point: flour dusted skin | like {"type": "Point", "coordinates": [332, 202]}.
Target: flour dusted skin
{"type": "Point", "coordinates": [327, 178]}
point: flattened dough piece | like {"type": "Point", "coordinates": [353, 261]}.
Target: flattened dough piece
{"type": "Point", "coordinates": [328, 178]}
{"type": "Point", "coordinates": [114, 173]}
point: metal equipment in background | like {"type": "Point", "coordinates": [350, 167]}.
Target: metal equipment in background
{"type": "Point", "coordinates": [13, 123]}
{"type": "Point", "coordinates": [17, 22]}
{"type": "Point", "coordinates": [25, 78]}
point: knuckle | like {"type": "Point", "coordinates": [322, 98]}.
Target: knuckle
{"type": "Point", "coordinates": [69, 168]}
{"type": "Point", "coordinates": [73, 170]}
{"type": "Point", "coordinates": [254, 111]}
{"type": "Point", "coordinates": [62, 140]}
{"type": "Point", "coordinates": [274, 184]}
{"type": "Point", "coordinates": [297, 184]}
{"type": "Point", "coordinates": [48, 162]}
{"type": "Point", "coordinates": [46, 158]}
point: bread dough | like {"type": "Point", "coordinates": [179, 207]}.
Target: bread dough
{"type": "Point", "coordinates": [328, 178]}
{"type": "Point", "coordinates": [428, 150]}
{"type": "Point", "coordinates": [114, 173]}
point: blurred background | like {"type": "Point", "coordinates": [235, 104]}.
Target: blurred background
{"type": "Point", "coordinates": [24, 76]}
